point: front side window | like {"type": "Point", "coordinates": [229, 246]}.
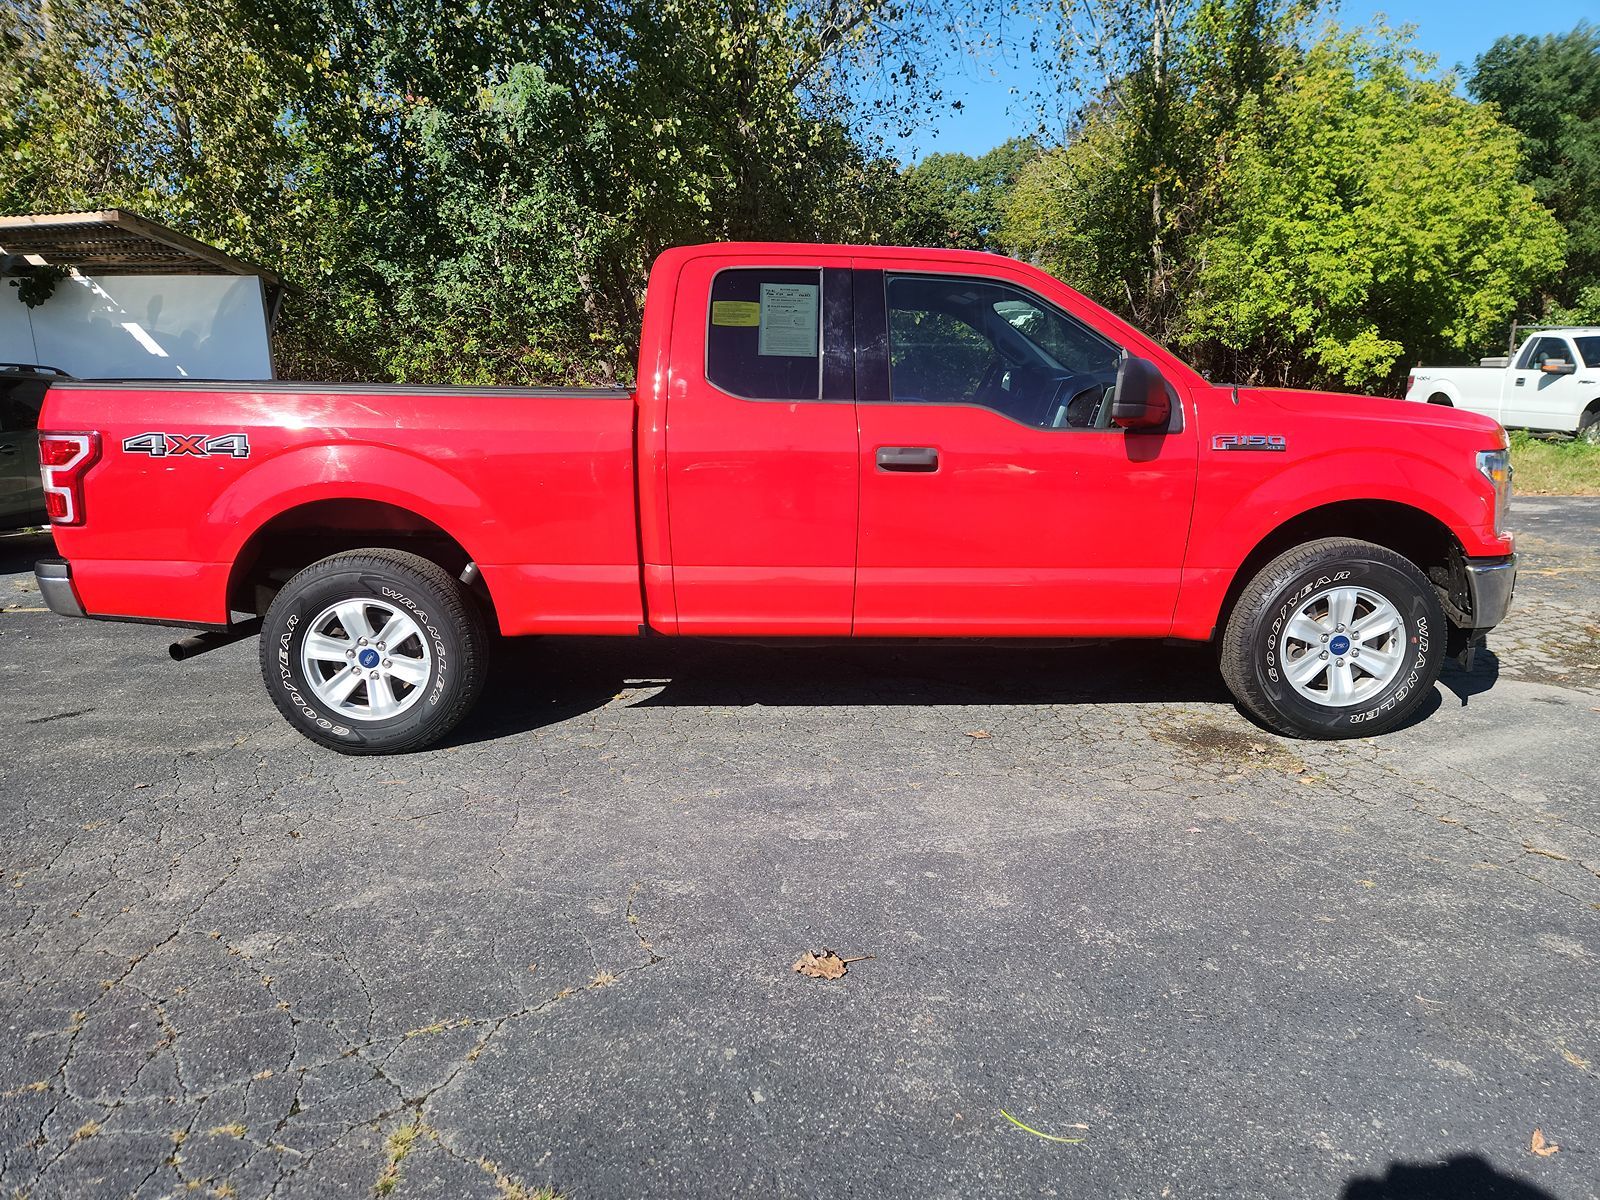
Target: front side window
{"type": "Point", "coordinates": [1541, 351]}
{"type": "Point", "coordinates": [958, 340]}
{"type": "Point", "coordinates": [764, 333]}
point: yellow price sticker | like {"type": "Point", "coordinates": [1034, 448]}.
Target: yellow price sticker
{"type": "Point", "coordinates": [735, 312]}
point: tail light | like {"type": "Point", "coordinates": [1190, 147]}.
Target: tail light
{"type": "Point", "coordinates": [1411, 382]}
{"type": "Point", "coordinates": [64, 459]}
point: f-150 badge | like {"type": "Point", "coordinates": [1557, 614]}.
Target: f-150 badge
{"type": "Point", "coordinates": [1249, 441]}
{"type": "Point", "coordinates": [191, 445]}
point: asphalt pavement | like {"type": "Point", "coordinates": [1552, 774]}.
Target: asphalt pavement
{"type": "Point", "coordinates": [1204, 960]}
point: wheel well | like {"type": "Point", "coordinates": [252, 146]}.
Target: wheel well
{"type": "Point", "coordinates": [298, 537]}
{"type": "Point", "coordinates": [1409, 532]}
{"type": "Point", "coordinates": [1440, 398]}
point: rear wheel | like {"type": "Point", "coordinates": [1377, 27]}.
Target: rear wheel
{"type": "Point", "coordinates": [1337, 638]}
{"type": "Point", "coordinates": [373, 652]}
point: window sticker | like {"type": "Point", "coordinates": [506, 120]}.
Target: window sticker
{"type": "Point", "coordinates": [735, 312]}
{"type": "Point", "coordinates": [788, 320]}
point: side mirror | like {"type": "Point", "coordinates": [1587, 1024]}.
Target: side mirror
{"type": "Point", "coordinates": [1141, 397]}
{"type": "Point", "coordinates": [1558, 366]}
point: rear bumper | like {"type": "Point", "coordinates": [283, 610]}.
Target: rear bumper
{"type": "Point", "coordinates": [54, 576]}
{"type": "Point", "coordinates": [1490, 582]}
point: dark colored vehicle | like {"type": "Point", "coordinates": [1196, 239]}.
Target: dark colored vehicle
{"type": "Point", "coordinates": [22, 388]}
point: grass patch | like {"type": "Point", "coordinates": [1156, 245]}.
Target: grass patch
{"type": "Point", "coordinates": [1545, 467]}
{"type": "Point", "coordinates": [400, 1142]}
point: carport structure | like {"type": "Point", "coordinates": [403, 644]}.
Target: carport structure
{"type": "Point", "coordinates": [139, 299]}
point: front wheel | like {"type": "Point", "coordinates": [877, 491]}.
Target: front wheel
{"type": "Point", "coordinates": [373, 652]}
{"type": "Point", "coordinates": [1589, 426]}
{"type": "Point", "coordinates": [1334, 639]}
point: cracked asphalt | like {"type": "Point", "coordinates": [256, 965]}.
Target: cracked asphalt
{"type": "Point", "coordinates": [555, 952]}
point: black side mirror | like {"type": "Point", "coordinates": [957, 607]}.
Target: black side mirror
{"type": "Point", "coordinates": [1558, 366]}
{"type": "Point", "coordinates": [1141, 397]}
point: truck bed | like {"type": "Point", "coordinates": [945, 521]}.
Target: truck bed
{"type": "Point", "coordinates": [536, 486]}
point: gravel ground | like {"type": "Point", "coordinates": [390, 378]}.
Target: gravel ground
{"type": "Point", "coordinates": [555, 952]}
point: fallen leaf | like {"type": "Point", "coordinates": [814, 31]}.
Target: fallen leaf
{"type": "Point", "coordinates": [1049, 1137]}
{"type": "Point", "coordinates": [1366, 883]}
{"type": "Point", "coordinates": [1541, 1147]}
{"type": "Point", "coordinates": [978, 735]}
{"type": "Point", "coordinates": [1576, 1060]}
{"type": "Point", "coordinates": [825, 964]}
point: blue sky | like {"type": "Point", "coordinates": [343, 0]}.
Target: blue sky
{"type": "Point", "coordinates": [1455, 30]}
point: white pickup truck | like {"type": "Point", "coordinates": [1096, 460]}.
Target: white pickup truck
{"type": "Point", "coordinates": [1551, 383]}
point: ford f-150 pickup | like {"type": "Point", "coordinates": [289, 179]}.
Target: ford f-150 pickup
{"type": "Point", "coordinates": [824, 442]}
{"type": "Point", "coordinates": [1551, 383]}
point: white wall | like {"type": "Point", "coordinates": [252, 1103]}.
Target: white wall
{"type": "Point", "coordinates": [143, 326]}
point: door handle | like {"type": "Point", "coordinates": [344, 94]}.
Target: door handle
{"type": "Point", "coordinates": [1519, 380]}
{"type": "Point", "coordinates": [921, 459]}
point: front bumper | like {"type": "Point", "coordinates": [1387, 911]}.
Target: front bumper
{"type": "Point", "coordinates": [1490, 582]}
{"type": "Point", "coordinates": [55, 585]}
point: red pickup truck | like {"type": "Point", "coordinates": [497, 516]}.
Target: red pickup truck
{"type": "Point", "coordinates": [825, 441]}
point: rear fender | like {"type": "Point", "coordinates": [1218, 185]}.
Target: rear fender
{"type": "Point", "coordinates": [347, 472]}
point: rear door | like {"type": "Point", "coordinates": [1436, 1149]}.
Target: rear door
{"type": "Point", "coordinates": [761, 449]}
{"type": "Point", "coordinates": [996, 496]}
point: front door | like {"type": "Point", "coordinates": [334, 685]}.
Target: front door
{"type": "Point", "coordinates": [1538, 399]}
{"type": "Point", "coordinates": [996, 496]}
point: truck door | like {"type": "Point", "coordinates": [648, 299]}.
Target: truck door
{"type": "Point", "coordinates": [996, 496]}
{"type": "Point", "coordinates": [1539, 399]}
{"type": "Point", "coordinates": [761, 452]}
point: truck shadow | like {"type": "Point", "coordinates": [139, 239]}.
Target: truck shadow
{"type": "Point", "coordinates": [19, 551]}
{"type": "Point", "coordinates": [536, 682]}
{"type": "Point", "coordinates": [1460, 1177]}
{"type": "Point", "coordinates": [539, 682]}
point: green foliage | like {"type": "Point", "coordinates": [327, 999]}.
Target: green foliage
{"type": "Point", "coordinates": [1548, 89]}
{"type": "Point", "coordinates": [1369, 214]}
{"type": "Point", "coordinates": [1287, 213]}
{"type": "Point", "coordinates": [469, 192]}
{"type": "Point", "coordinates": [1116, 211]}
{"type": "Point", "coordinates": [957, 200]}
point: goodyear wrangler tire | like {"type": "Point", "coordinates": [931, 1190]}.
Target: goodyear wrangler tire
{"type": "Point", "coordinates": [1334, 639]}
{"type": "Point", "coordinates": [373, 652]}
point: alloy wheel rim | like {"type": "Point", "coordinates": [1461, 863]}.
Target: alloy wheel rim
{"type": "Point", "coordinates": [366, 659]}
{"type": "Point", "coordinates": [1342, 647]}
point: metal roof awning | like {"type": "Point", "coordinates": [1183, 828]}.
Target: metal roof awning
{"type": "Point", "coordinates": [114, 242]}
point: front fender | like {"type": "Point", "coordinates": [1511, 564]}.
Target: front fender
{"type": "Point", "coordinates": [1235, 514]}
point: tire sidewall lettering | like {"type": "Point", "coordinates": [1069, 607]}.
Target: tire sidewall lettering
{"type": "Point", "coordinates": [1300, 587]}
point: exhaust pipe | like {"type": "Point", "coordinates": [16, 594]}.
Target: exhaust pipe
{"type": "Point", "coordinates": [213, 639]}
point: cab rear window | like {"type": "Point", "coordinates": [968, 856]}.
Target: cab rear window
{"type": "Point", "coordinates": [764, 333]}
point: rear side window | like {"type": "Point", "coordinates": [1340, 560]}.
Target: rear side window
{"type": "Point", "coordinates": [19, 404]}
{"type": "Point", "coordinates": [764, 333]}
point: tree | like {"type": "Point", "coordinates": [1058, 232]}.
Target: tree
{"type": "Point", "coordinates": [1548, 90]}
{"type": "Point", "coordinates": [1116, 210]}
{"type": "Point", "coordinates": [957, 200]}
{"type": "Point", "coordinates": [469, 192]}
{"type": "Point", "coordinates": [1368, 215]}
